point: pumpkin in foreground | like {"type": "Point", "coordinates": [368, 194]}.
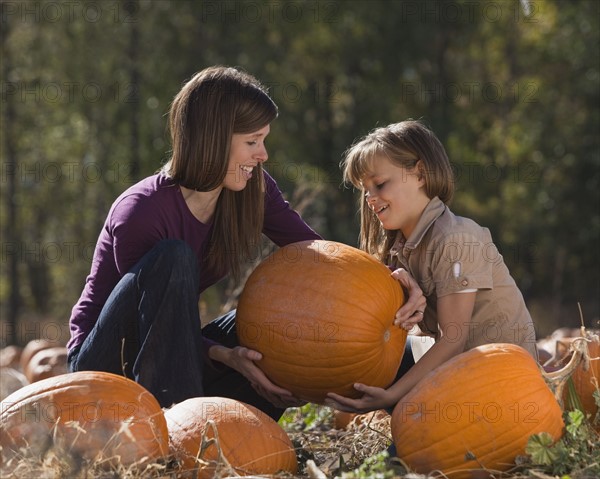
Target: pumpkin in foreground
{"type": "Point", "coordinates": [321, 314]}
{"type": "Point", "coordinates": [476, 410]}
{"type": "Point", "coordinates": [249, 440]}
{"type": "Point", "coordinates": [586, 379]}
{"type": "Point", "coordinates": [87, 415]}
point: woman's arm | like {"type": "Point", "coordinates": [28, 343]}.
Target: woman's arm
{"type": "Point", "coordinates": [454, 316]}
{"type": "Point", "coordinates": [282, 224]}
{"type": "Point", "coordinates": [242, 360]}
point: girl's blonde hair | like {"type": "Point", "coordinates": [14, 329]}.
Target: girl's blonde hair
{"type": "Point", "coordinates": [405, 144]}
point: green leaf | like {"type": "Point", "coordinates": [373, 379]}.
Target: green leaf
{"type": "Point", "coordinates": [539, 447]}
{"type": "Point", "coordinates": [576, 419]}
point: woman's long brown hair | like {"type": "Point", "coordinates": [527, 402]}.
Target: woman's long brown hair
{"type": "Point", "coordinates": [216, 103]}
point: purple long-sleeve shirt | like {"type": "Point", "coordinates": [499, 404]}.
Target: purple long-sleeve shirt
{"type": "Point", "coordinates": [148, 212]}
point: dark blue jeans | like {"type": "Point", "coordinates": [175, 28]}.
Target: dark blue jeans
{"type": "Point", "coordinates": [149, 331]}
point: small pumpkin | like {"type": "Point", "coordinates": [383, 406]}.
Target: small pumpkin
{"type": "Point", "coordinates": [321, 313]}
{"type": "Point", "coordinates": [10, 356]}
{"type": "Point", "coordinates": [586, 377]}
{"type": "Point", "coordinates": [31, 348]}
{"type": "Point", "coordinates": [47, 363]}
{"type": "Point", "coordinates": [249, 440]}
{"type": "Point", "coordinates": [87, 415]}
{"type": "Point", "coordinates": [476, 410]}
{"type": "Point", "coordinates": [341, 419]}
{"type": "Point", "coordinates": [588, 381]}
{"type": "Point", "coordinates": [345, 420]}
{"type": "Point", "coordinates": [11, 380]}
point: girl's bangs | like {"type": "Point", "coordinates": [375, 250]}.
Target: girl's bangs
{"type": "Point", "coordinates": [359, 161]}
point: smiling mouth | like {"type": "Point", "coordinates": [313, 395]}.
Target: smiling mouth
{"type": "Point", "coordinates": [247, 171]}
{"type": "Point", "coordinates": [379, 210]}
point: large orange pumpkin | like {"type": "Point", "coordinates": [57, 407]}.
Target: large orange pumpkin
{"type": "Point", "coordinates": [321, 314]}
{"type": "Point", "coordinates": [249, 440]}
{"type": "Point", "coordinates": [88, 415]}
{"type": "Point", "coordinates": [476, 410]}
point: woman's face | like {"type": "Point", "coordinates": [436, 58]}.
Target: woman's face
{"type": "Point", "coordinates": [247, 151]}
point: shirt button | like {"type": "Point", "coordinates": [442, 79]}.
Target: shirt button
{"type": "Point", "coordinates": [464, 282]}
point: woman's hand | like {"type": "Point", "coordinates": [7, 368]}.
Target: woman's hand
{"type": "Point", "coordinates": [373, 398]}
{"type": "Point", "coordinates": [413, 310]}
{"type": "Point", "coordinates": [242, 360]}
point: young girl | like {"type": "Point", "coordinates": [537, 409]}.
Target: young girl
{"type": "Point", "coordinates": [406, 180]}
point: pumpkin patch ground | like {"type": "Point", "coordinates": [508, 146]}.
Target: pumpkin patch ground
{"type": "Point", "coordinates": [357, 446]}
{"type": "Point", "coordinates": [359, 451]}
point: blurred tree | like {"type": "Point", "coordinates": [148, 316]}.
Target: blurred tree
{"type": "Point", "coordinates": [10, 167]}
{"type": "Point", "coordinates": [512, 92]}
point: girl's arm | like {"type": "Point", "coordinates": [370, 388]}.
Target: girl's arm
{"type": "Point", "coordinates": [413, 309]}
{"type": "Point", "coordinates": [454, 315]}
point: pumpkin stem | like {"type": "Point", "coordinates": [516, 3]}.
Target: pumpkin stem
{"type": "Point", "coordinates": [557, 380]}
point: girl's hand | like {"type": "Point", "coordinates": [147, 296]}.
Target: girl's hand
{"type": "Point", "coordinates": [373, 398]}
{"type": "Point", "coordinates": [413, 310]}
{"type": "Point", "coordinates": [242, 360]}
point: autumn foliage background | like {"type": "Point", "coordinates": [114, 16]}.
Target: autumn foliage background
{"type": "Point", "coordinates": [511, 87]}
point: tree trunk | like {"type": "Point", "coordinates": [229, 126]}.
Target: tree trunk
{"type": "Point", "coordinates": [132, 8]}
{"type": "Point", "coordinates": [12, 246]}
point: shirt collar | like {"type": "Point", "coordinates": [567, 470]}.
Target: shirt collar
{"type": "Point", "coordinates": [434, 209]}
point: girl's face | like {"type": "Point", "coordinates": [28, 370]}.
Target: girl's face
{"type": "Point", "coordinates": [247, 151]}
{"type": "Point", "coordinates": [395, 194]}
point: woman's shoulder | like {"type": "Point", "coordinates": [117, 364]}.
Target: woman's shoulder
{"type": "Point", "coordinates": [149, 194]}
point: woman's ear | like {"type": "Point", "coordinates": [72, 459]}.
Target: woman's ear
{"type": "Point", "coordinates": [420, 166]}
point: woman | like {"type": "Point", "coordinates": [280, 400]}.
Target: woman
{"type": "Point", "coordinates": [174, 234]}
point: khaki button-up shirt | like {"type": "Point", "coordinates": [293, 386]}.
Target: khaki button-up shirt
{"type": "Point", "coordinates": [449, 254]}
